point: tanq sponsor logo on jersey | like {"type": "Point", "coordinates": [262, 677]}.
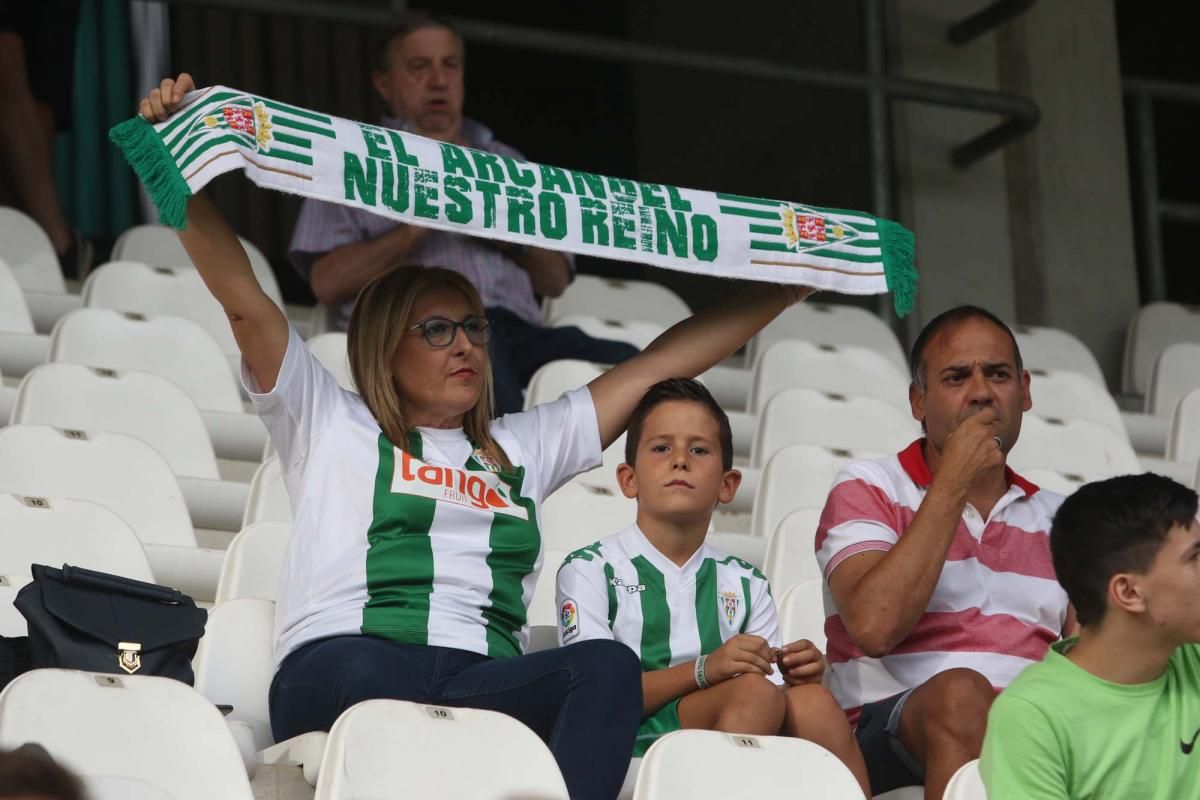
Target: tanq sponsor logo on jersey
{"type": "Point", "coordinates": [479, 490]}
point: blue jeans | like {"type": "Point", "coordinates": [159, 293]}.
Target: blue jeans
{"type": "Point", "coordinates": [584, 701]}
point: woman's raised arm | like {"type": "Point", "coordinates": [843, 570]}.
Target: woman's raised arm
{"type": "Point", "coordinates": [687, 349]}
{"type": "Point", "coordinates": [259, 326]}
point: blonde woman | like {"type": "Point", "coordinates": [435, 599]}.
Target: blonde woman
{"type": "Point", "coordinates": [415, 543]}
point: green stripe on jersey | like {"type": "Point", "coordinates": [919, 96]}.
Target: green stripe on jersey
{"type": "Point", "coordinates": [399, 557]}
{"type": "Point", "coordinates": [656, 616]}
{"type": "Point", "coordinates": [514, 545]}
{"type": "Point", "coordinates": [749, 606]}
{"type": "Point", "coordinates": [610, 577]}
{"type": "Point", "coordinates": [707, 624]}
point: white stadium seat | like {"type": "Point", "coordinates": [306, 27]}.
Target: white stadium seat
{"type": "Point", "coordinates": [1052, 348]}
{"type": "Point", "coordinates": [636, 332]}
{"type": "Point", "coordinates": [821, 323]}
{"type": "Point", "coordinates": [797, 476]}
{"type": "Point", "coordinates": [579, 514]}
{"type": "Point", "coordinates": [157, 731]}
{"type": "Point", "coordinates": [389, 748]}
{"type": "Point", "coordinates": [330, 349]}
{"type": "Point", "coordinates": [1183, 442]}
{"type": "Point", "coordinates": [141, 288]}
{"type": "Point", "coordinates": [542, 609]}
{"type": "Point", "coordinates": [1082, 448]}
{"type": "Point", "coordinates": [173, 347]}
{"type": "Point", "coordinates": [141, 404]}
{"type": "Point", "coordinates": [1176, 372]}
{"type": "Point", "coordinates": [841, 369]}
{"type": "Point", "coordinates": [253, 562]}
{"type": "Point", "coordinates": [802, 611]}
{"type": "Point", "coordinates": [966, 783]}
{"type": "Point", "coordinates": [269, 500]}
{"type": "Point", "coordinates": [610, 298]}
{"type": "Point", "coordinates": [806, 416]}
{"type": "Point", "coordinates": [158, 246]}
{"type": "Point", "coordinates": [556, 377]}
{"type": "Point", "coordinates": [1059, 482]}
{"type": "Point", "coordinates": [1155, 327]}
{"type": "Point", "coordinates": [12, 623]}
{"type": "Point", "coordinates": [710, 764]}
{"type": "Point", "coordinates": [14, 313]}
{"type": "Point", "coordinates": [791, 555]}
{"type": "Point", "coordinates": [29, 253]}
{"type": "Point", "coordinates": [235, 662]}
{"type": "Point", "coordinates": [1065, 395]}
{"type": "Point", "coordinates": [60, 530]}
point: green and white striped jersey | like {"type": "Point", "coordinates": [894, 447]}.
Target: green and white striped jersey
{"type": "Point", "coordinates": [432, 544]}
{"type": "Point", "coordinates": [623, 588]}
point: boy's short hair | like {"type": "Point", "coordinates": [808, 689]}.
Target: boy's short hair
{"type": "Point", "coordinates": [1112, 526]}
{"type": "Point", "coordinates": [687, 390]}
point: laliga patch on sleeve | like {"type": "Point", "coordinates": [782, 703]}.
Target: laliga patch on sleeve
{"type": "Point", "coordinates": [568, 616]}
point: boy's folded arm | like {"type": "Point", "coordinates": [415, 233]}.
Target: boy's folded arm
{"type": "Point", "coordinates": [661, 686]}
{"type": "Point", "coordinates": [1022, 757]}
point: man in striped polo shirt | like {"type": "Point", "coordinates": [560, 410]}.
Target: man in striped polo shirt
{"type": "Point", "coordinates": [940, 584]}
{"type": "Point", "coordinates": [702, 622]}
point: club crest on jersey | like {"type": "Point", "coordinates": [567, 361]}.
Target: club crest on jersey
{"type": "Point", "coordinates": [568, 615]}
{"type": "Point", "coordinates": [486, 461]}
{"type": "Point", "coordinates": [479, 490]}
{"type": "Point", "coordinates": [729, 602]}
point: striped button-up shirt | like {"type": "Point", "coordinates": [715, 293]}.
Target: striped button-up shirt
{"type": "Point", "coordinates": [501, 283]}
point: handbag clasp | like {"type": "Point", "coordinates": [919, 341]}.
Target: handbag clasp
{"type": "Point", "coordinates": [129, 656]}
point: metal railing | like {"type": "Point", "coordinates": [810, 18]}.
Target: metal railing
{"type": "Point", "coordinates": [1152, 209]}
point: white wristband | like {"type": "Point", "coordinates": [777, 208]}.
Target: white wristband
{"type": "Point", "coordinates": [701, 678]}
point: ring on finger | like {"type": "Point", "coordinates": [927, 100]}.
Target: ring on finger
{"type": "Point", "coordinates": [999, 442]}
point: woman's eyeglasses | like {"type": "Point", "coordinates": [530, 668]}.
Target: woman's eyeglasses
{"type": "Point", "coordinates": [440, 332]}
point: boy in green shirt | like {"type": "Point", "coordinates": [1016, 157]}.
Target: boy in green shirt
{"type": "Point", "coordinates": [1114, 713]}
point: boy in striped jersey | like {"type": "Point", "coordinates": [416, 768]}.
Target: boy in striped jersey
{"type": "Point", "coordinates": [702, 622]}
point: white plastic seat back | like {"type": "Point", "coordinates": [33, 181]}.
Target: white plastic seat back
{"type": "Point", "coordinates": [1052, 348]}
{"type": "Point", "coordinates": [791, 555]}
{"type": "Point", "coordinates": [823, 323]}
{"type": "Point", "coordinates": [966, 783]}
{"type": "Point", "coordinates": [1176, 372]}
{"type": "Point", "coordinates": [1155, 327]}
{"type": "Point", "coordinates": [389, 748]}
{"type": "Point", "coordinates": [269, 500]}
{"type": "Point", "coordinates": [235, 662]}
{"type": "Point", "coordinates": [179, 291]}
{"type": "Point", "coordinates": [61, 530]}
{"type": "Point", "coordinates": [1063, 483]}
{"type": "Point", "coordinates": [802, 612]}
{"type": "Point", "coordinates": [806, 416]}
{"type": "Point", "coordinates": [542, 610]}
{"type": "Point", "coordinates": [253, 562]}
{"type": "Point", "coordinates": [14, 312]}
{"type": "Point", "coordinates": [710, 764]}
{"type": "Point", "coordinates": [116, 471]}
{"type": "Point", "coordinates": [556, 377]}
{"type": "Point", "coordinates": [173, 347]}
{"type": "Point", "coordinates": [140, 404]}
{"type": "Point", "coordinates": [796, 476]}
{"type": "Point", "coordinates": [330, 349]}
{"type": "Point", "coordinates": [611, 298]}
{"type": "Point", "coordinates": [158, 246]}
{"type": "Point", "coordinates": [636, 332]}
{"type": "Point", "coordinates": [157, 730]}
{"type": "Point", "coordinates": [840, 369]}
{"type": "Point", "coordinates": [1183, 441]}
{"type": "Point", "coordinates": [29, 253]}
{"type": "Point", "coordinates": [1060, 394]}
{"type": "Point", "coordinates": [1082, 448]}
{"type": "Point", "coordinates": [579, 514]}
{"type": "Point", "coordinates": [12, 623]}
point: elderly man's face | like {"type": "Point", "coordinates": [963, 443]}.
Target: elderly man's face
{"type": "Point", "coordinates": [424, 82]}
{"type": "Point", "coordinates": [970, 366]}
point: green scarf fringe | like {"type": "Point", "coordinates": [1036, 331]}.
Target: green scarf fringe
{"type": "Point", "coordinates": [143, 148]}
{"type": "Point", "coordinates": [899, 270]}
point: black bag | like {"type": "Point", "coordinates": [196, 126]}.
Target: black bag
{"type": "Point", "coordinates": [82, 619]}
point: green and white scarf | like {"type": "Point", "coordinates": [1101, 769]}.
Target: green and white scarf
{"type": "Point", "coordinates": [425, 182]}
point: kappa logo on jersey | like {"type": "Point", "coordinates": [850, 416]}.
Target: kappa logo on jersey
{"type": "Point", "coordinates": [729, 601]}
{"type": "Point", "coordinates": [569, 617]}
{"type": "Point", "coordinates": [628, 587]}
{"type": "Point", "coordinates": [478, 490]}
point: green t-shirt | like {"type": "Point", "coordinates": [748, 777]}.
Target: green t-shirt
{"type": "Point", "coordinates": [1058, 731]}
